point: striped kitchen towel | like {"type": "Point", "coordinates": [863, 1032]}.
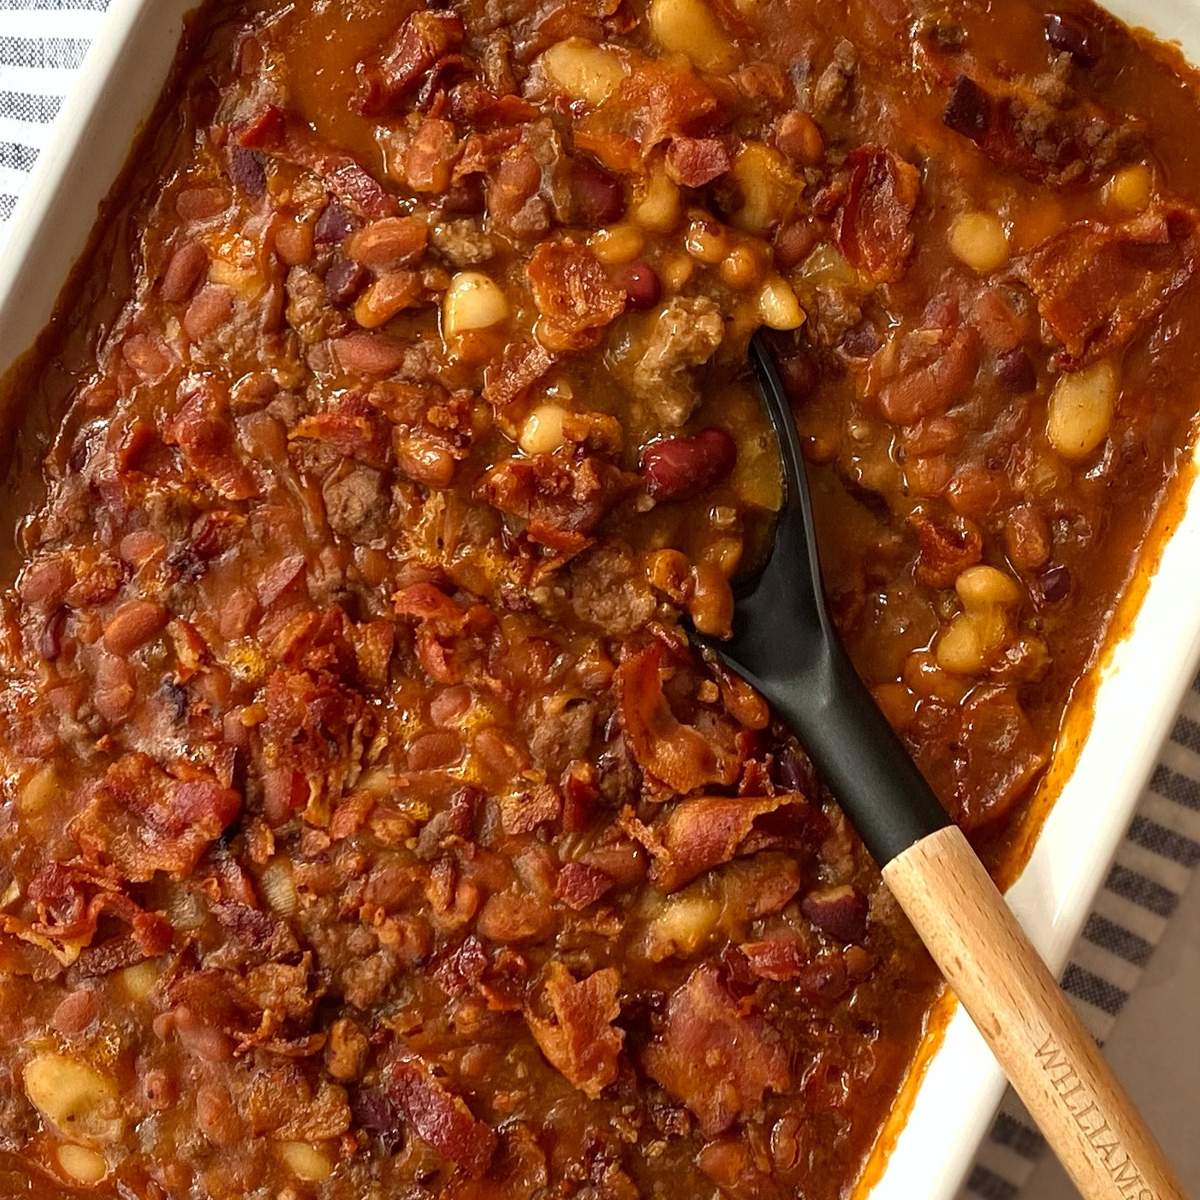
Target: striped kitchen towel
{"type": "Point", "coordinates": [42, 42]}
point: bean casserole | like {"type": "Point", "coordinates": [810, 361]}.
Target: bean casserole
{"type": "Point", "coordinates": [370, 826]}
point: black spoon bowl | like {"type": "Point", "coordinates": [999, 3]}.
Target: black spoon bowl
{"type": "Point", "coordinates": [785, 645]}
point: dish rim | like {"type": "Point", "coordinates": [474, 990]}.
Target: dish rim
{"type": "Point", "coordinates": [1156, 656]}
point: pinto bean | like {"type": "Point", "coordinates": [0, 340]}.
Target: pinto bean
{"type": "Point", "coordinates": [75, 1012]}
{"type": "Point", "coordinates": [344, 280]}
{"type": "Point", "coordinates": [184, 271]}
{"type": "Point", "coordinates": [678, 468]}
{"type": "Point", "coordinates": [208, 311]}
{"type": "Point", "coordinates": [388, 242]}
{"type": "Point", "coordinates": [134, 624]}
{"type": "Point", "coordinates": [1027, 538]}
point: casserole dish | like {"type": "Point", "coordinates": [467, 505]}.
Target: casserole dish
{"type": "Point", "coordinates": [1156, 658]}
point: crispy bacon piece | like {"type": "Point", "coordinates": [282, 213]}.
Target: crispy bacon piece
{"type": "Point", "coordinates": [875, 224]}
{"type": "Point", "coordinates": [693, 162]}
{"type": "Point", "coordinates": [352, 426]}
{"type": "Point", "coordinates": [424, 38]}
{"type": "Point", "coordinates": [204, 434]}
{"type": "Point", "coordinates": [715, 1055]}
{"type": "Point", "coordinates": [704, 831]}
{"type": "Point", "coordinates": [438, 1116]}
{"type": "Point", "coordinates": [286, 137]}
{"type": "Point", "coordinates": [678, 755]}
{"type": "Point", "coordinates": [579, 885]}
{"type": "Point", "coordinates": [138, 820]}
{"type": "Point", "coordinates": [949, 544]}
{"type": "Point", "coordinates": [556, 496]}
{"type": "Point", "coordinates": [659, 100]}
{"type": "Point", "coordinates": [572, 290]}
{"type": "Point", "coordinates": [579, 1038]}
{"type": "Point", "coordinates": [1097, 285]}
{"type": "Point", "coordinates": [519, 367]}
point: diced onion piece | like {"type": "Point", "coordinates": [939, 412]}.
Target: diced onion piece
{"type": "Point", "coordinates": [778, 306]}
{"type": "Point", "coordinates": [1080, 411]}
{"type": "Point", "coordinates": [81, 1164]}
{"type": "Point", "coordinates": [306, 1161]}
{"type": "Point", "coordinates": [542, 432]}
{"type": "Point", "coordinates": [472, 301]}
{"type": "Point", "coordinates": [73, 1097]}
{"type": "Point", "coordinates": [688, 27]}
{"type": "Point", "coordinates": [681, 926]}
{"type": "Point", "coordinates": [768, 187]}
{"type": "Point", "coordinates": [658, 205]}
{"type": "Point", "coordinates": [583, 70]}
{"type": "Point", "coordinates": [138, 980]}
{"type": "Point", "coordinates": [279, 888]}
{"type": "Point", "coordinates": [1130, 188]}
{"type": "Point", "coordinates": [979, 240]}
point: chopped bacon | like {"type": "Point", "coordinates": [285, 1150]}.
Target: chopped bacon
{"type": "Point", "coordinates": [287, 137]}
{"type": "Point", "coordinates": [579, 1038]}
{"type": "Point", "coordinates": [556, 495]}
{"type": "Point", "coordinates": [579, 885]}
{"type": "Point", "coordinates": [519, 367]}
{"type": "Point", "coordinates": [204, 434]}
{"type": "Point", "coordinates": [572, 290]}
{"type": "Point", "coordinates": [693, 162]}
{"type": "Point", "coordinates": [678, 755]}
{"type": "Point", "coordinates": [419, 43]}
{"type": "Point", "coordinates": [1098, 285]}
{"type": "Point", "coordinates": [139, 820]}
{"type": "Point", "coordinates": [715, 1055]}
{"type": "Point", "coordinates": [352, 426]}
{"type": "Point", "coordinates": [875, 224]}
{"type": "Point", "coordinates": [704, 831]}
{"type": "Point", "coordinates": [438, 1116]}
{"type": "Point", "coordinates": [427, 602]}
{"type": "Point", "coordinates": [949, 544]}
{"type": "Point", "coordinates": [659, 100]}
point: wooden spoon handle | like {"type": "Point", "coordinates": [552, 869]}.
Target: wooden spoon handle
{"type": "Point", "coordinates": [1048, 1055]}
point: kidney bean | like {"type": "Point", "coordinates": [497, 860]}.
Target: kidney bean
{"type": "Point", "coordinates": [1015, 372]}
{"type": "Point", "coordinates": [373, 354]}
{"type": "Point", "coordinates": [793, 243]}
{"type": "Point", "coordinates": [344, 280]}
{"type": "Point", "coordinates": [46, 582]}
{"type": "Point", "coordinates": [134, 624]}
{"type": "Point", "coordinates": [438, 748]}
{"type": "Point", "coordinates": [840, 912]}
{"type": "Point", "coordinates": [1074, 36]}
{"type": "Point", "coordinates": [50, 638]}
{"type": "Point", "coordinates": [968, 109]}
{"type": "Point", "coordinates": [335, 223]}
{"type": "Point", "coordinates": [681, 467]}
{"type": "Point", "coordinates": [186, 268]}
{"type": "Point", "coordinates": [1054, 584]}
{"type": "Point", "coordinates": [597, 197]}
{"type": "Point", "coordinates": [641, 284]}
{"type": "Point", "coordinates": [388, 242]}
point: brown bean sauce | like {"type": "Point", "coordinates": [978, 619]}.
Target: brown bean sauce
{"type": "Point", "coordinates": [370, 828]}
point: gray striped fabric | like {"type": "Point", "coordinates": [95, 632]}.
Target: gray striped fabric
{"type": "Point", "coordinates": [43, 41]}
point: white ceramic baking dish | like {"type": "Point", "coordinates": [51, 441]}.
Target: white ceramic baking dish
{"type": "Point", "coordinates": [1141, 682]}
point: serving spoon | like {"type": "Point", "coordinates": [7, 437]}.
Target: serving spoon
{"type": "Point", "coordinates": [785, 645]}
